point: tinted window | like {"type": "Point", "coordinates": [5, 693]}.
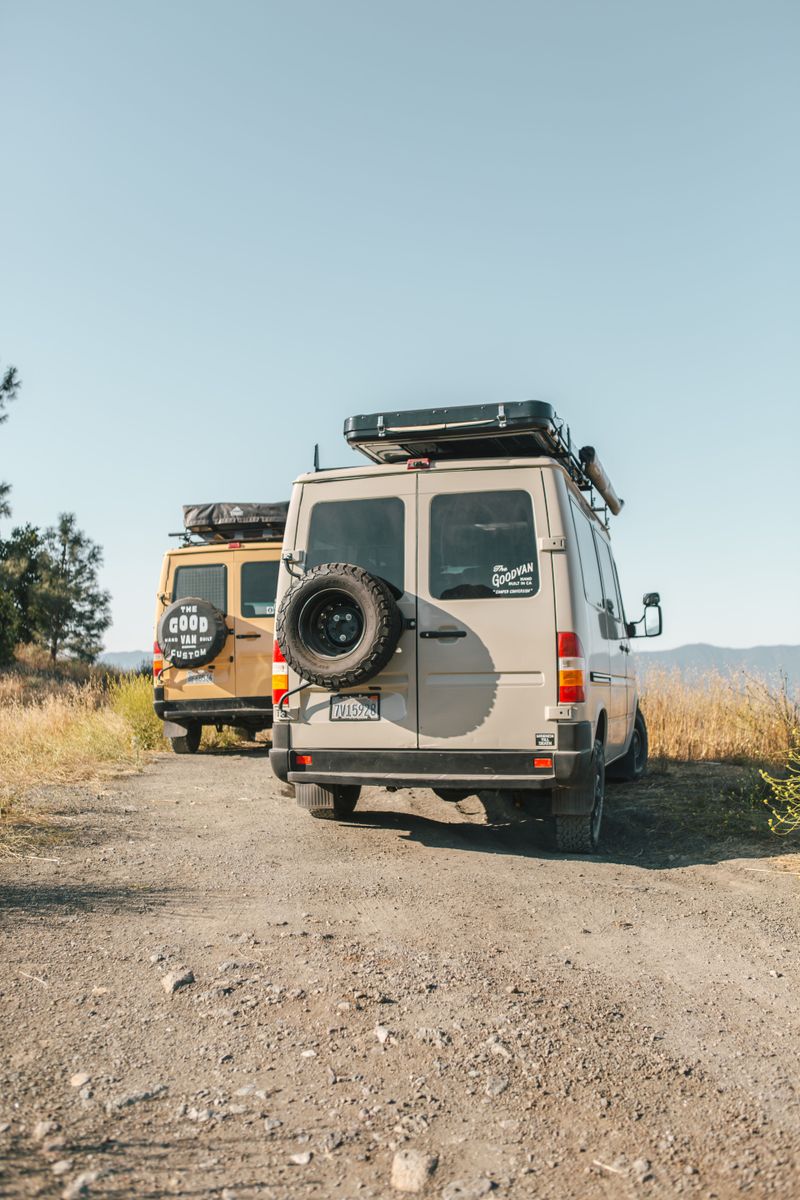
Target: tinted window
{"type": "Point", "coordinates": [369, 533]}
{"type": "Point", "coordinates": [482, 545]}
{"type": "Point", "coordinates": [259, 585]}
{"type": "Point", "coordinates": [208, 583]}
{"type": "Point", "coordinates": [592, 583]}
{"type": "Point", "coordinates": [613, 603]}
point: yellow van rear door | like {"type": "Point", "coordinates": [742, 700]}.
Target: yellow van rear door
{"type": "Point", "coordinates": [209, 575]}
{"type": "Point", "coordinates": [256, 582]}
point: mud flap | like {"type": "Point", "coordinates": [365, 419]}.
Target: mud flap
{"type": "Point", "coordinates": [172, 729]}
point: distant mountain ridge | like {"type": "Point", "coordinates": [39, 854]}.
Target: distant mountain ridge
{"type": "Point", "coordinates": [763, 662]}
{"type": "Point", "coordinates": [126, 660]}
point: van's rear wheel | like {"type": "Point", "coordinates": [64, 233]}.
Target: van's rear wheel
{"type": "Point", "coordinates": [189, 742]}
{"type": "Point", "coordinates": [633, 764]}
{"type": "Point", "coordinates": [332, 804]}
{"type": "Point", "coordinates": [580, 833]}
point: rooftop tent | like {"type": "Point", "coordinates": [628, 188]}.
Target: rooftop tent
{"type": "Point", "coordinates": [526, 428]}
{"type": "Point", "coordinates": [236, 522]}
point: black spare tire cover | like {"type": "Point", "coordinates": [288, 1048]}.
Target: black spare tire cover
{"type": "Point", "coordinates": [191, 632]}
{"type": "Point", "coordinates": [338, 626]}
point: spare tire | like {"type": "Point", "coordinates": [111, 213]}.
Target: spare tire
{"type": "Point", "coordinates": [191, 632]}
{"type": "Point", "coordinates": [339, 626]}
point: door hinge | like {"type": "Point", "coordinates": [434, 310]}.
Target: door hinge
{"type": "Point", "coordinates": [553, 543]}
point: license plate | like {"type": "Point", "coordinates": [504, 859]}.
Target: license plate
{"type": "Point", "coordinates": [359, 707]}
{"type": "Point", "coordinates": [199, 677]}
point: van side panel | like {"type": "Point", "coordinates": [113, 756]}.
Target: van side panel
{"type": "Point", "coordinates": [574, 613]}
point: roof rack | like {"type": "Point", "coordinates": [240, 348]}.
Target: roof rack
{"type": "Point", "coordinates": [229, 522]}
{"type": "Point", "coordinates": [520, 429]}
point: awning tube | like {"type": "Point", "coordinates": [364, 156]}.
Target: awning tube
{"type": "Point", "coordinates": [594, 470]}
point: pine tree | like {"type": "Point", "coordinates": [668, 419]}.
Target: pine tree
{"type": "Point", "coordinates": [70, 611]}
{"type": "Point", "coordinates": [9, 386]}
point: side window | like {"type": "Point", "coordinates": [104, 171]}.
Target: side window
{"type": "Point", "coordinates": [483, 545]}
{"type": "Point", "coordinates": [368, 533]}
{"type": "Point", "coordinates": [208, 583]}
{"type": "Point", "coordinates": [259, 586]}
{"type": "Point", "coordinates": [613, 602]}
{"type": "Point", "coordinates": [592, 583]}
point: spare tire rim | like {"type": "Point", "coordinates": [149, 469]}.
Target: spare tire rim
{"type": "Point", "coordinates": [331, 624]}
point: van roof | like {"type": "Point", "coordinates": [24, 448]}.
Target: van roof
{"type": "Point", "coordinates": [402, 468]}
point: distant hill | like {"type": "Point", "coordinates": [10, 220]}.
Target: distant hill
{"type": "Point", "coordinates": [763, 662]}
{"type": "Point", "coordinates": [126, 660]}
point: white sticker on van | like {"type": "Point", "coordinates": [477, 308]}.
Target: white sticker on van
{"type": "Point", "coordinates": [508, 580]}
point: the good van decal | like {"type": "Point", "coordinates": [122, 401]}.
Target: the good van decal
{"type": "Point", "coordinates": [506, 580]}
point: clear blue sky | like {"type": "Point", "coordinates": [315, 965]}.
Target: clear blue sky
{"type": "Point", "coordinates": [225, 227]}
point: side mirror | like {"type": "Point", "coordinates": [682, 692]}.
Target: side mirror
{"type": "Point", "coordinates": [652, 623]}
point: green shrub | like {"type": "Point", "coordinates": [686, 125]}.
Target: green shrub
{"type": "Point", "coordinates": [784, 802]}
{"type": "Point", "coordinates": [132, 699]}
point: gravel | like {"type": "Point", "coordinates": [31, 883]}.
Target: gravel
{"type": "Point", "coordinates": [409, 985]}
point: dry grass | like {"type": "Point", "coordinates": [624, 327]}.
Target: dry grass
{"type": "Point", "coordinates": [720, 719]}
{"type": "Point", "coordinates": [67, 737]}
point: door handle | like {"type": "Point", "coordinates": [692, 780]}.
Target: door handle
{"type": "Point", "coordinates": [443, 633]}
{"type": "Point", "coordinates": [625, 649]}
{"type": "Point", "coordinates": [240, 636]}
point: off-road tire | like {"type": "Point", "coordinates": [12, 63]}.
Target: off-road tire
{"type": "Point", "coordinates": [580, 834]}
{"type": "Point", "coordinates": [189, 743]}
{"type": "Point", "coordinates": [632, 766]}
{"type": "Point", "coordinates": [382, 626]}
{"type": "Point", "coordinates": [331, 804]}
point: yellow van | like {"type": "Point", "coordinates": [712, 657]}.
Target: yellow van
{"type": "Point", "coordinates": [215, 619]}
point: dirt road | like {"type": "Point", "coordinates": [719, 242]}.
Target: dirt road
{"type": "Point", "coordinates": [414, 979]}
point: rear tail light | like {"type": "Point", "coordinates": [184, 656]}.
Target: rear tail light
{"type": "Point", "coordinates": [571, 669]}
{"type": "Point", "coordinates": [158, 662]}
{"type": "Point", "coordinates": [280, 675]}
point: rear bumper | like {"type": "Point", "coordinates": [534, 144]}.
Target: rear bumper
{"type": "Point", "coordinates": [230, 711]}
{"type": "Point", "coordinates": [471, 769]}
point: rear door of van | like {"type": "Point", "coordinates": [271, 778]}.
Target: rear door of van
{"type": "Point", "coordinates": [255, 579]}
{"type": "Point", "coordinates": [376, 531]}
{"type": "Point", "coordinates": [209, 575]}
{"type": "Point", "coordinates": [486, 623]}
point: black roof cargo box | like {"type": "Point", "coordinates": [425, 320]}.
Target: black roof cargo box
{"type": "Point", "coordinates": [236, 522]}
{"type": "Point", "coordinates": [526, 427]}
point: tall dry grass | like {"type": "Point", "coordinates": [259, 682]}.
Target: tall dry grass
{"type": "Point", "coordinates": [61, 733]}
{"type": "Point", "coordinates": [719, 718]}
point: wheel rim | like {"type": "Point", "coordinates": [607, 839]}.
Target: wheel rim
{"type": "Point", "coordinates": [638, 750]}
{"type": "Point", "coordinates": [331, 624]}
{"type": "Point", "coordinates": [597, 811]}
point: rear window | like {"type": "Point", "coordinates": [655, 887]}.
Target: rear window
{"type": "Point", "coordinates": [483, 545]}
{"type": "Point", "coordinates": [259, 586]}
{"type": "Point", "coordinates": [208, 583]}
{"type": "Point", "coordinates": [368, 533]}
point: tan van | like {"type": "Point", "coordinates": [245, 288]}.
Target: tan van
{"type": "Point", "coordinates": [450, 617]}
{"type": "Point", "coordinates": [215, 619]}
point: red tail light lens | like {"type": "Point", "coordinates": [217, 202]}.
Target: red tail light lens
{"type": "Point", "coordinates": [571, 669]}
{"type": "Point", "coordinates": [158, 662]}
{"type": "Point", "coordinates": [280, 675]}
